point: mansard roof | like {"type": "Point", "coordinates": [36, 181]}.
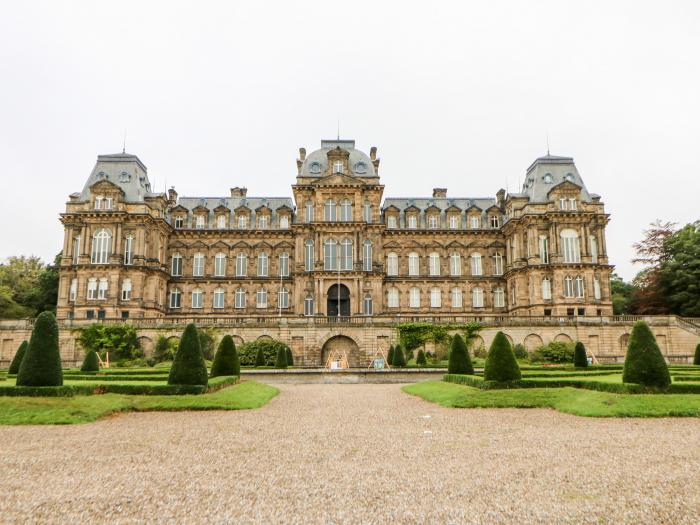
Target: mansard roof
{"type": "Point", "coordinates": [232, 203]}
{"type": "Point", "coordinates": [123, 170]}
{"type": "Point", "coordinates": [316, 163]}
{"type": "Point", "coordinates": [547, 172]}
{"type": "Point", "coordinates": [423, 203]}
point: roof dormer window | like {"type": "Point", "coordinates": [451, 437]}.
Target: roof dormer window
{"type": "Point", "coordinates": [360, 167]}
{"type": "Point", "coordinates": [338, 166]}
{"type": "Point", "coordinates": [124, 177]}
{"type": "Point", "coordinates": [548, 179]}
{"type": "Point", "coordinates": [315, 167]}
{"type": "Point", "coordinates": [569, 177]}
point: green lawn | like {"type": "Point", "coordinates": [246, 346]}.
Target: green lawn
{"type": "Point", "coordinates": [84, 409]}
{"type": "Point", "coordinates": [570, 400]}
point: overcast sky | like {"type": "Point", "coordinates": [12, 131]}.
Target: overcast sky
{"type": "Point", "coordinates": [460, 95]}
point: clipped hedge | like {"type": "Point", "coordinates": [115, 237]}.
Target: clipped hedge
{"type": "Point", "coordinates": [97, 378]}
{"type": "Point", "coordinates": [41, 364]}
{"type": "Point", "coordinates": [390, 356]}
{"type": "Point", "coordinates": [90, 363]}
{"type": "Point", "coordinates": [420, 358]}
{"type": "Point", "coordinates": [189, 367]}
{"type": "Point", "coordinates": [696, 357]}
{"type": "Point", "coordinates": [500, 363]}
{"type": "Point", "coordinates": [580, 357]}
{"type": "Point", "coordinates": [644, 363]}
{"type": "Point", "coordinates": [281, 361]}
{"type": "Point", "coordinates": [17, 360]}
{"type": "Point", "coordinates": [459, 362]}
{"type": "Point", "coordinates": [399, 357]}
{"type": "Point", "coordinates": [226, 359]}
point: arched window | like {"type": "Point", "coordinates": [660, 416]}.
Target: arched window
{"type": "Point", "coordinates": [367, 211]}
{"type": "Point", "coordinates": [220, 265]}
{"type": "Point", "coordinates": [570, 246]}
{"type": "Point", "coordinates": [126, 290]}
{"type": "Point", "coordinates": [392, 298]}
{"type": "Point", "coordinates": [197, 298]}
{"type": "Point", "coordinates": [284, 264]}
{"type": "Point", "coordinates": [455, 264]}
{"type": "Point", "coordinates": [200, 222]}
{"type": "Point", "coordinates": [329, 210]}
{"type": "Point", "coordinates": [346, 254]}
{"type": "Point", "coordinates": [498, 264]}
{"type": "Point", "coordinates": [242, 222]}
{"type": "Point", "coordinates": [330, 254]}
{"type": "Point", "coordinates": [261, 298]}
{"type": "Point", "coordinates": [580, 288]}
{"type": "Point", "coordinates": [433, 221]}
{"type": "Point", "coordinates": [475, 222]}
{"type": "Point", "coordinates": [392, 264]}
{"type": "Point", "coordinates": [309, 211]}
{"type": "Point", "coordinates": [412, 222]}
{"type": "Point", "coordinates": [284, 222]}
{"type": "Point", "coordinates": [176, 266]}
{"type": "Point", "coordinates": [499, 298]}
{"type": "Point", "coordinates": [241, 265]}
{"type": "Point", "coordinates": [263, 264]}
{"type": "Point", "coordinates": [128, 249]}
{"type": "Point", "coordinates": [309, 255]}
{"type": "Point", "coordinates": [345, 210]}
{"type": "Point", "coordinates": [413, 264]}
{"type": "Point", "coordinates": [240, 298]}
{"type": "Point", "coordinates": [476, 264]}
{"type": "Point", "coordinates": [456, 297]}
{"type": "Point", "coordinates": [367, 306]}
{"type": "Point", "coordinates": [477, 298]}
{"type": "Point", "coordinates": [434, 264]}
{"type": "Point", "coordinates": [367, 256]}
{"type": "Point", "coordinates": [218, 301]}
{"type": "Point", "coordinates": [221, 221]}
{"type": "Point", "coordinates": [308, 305]}
{"type": "Point", "coordinates": [198, 265]}
{"type": "Point", "coordinates": [546, 288]}
{"type": "Point", "coordinates": [568, 286]}
{"type": "Point", "coordinates": [175, 298]}
{"type": "Point", "coordinates": [414, 297]}
{"type": "Point", "coordinates": [454, 222]}
{"type": "Point", "coordinates": [435, 298]}
{"type": "Point", "coordinates": [101, 246]}
{"type": "Point", "coordinates": [283, 298]}
{"type": "Point", "coordinates": [263, 222]}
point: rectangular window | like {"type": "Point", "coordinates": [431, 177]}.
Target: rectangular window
{"type": "Point", "coordinates": [263, 222]}
{"type": "Point", "coordinates": [367, 256]}
{"type": "Point", "coordinates": [126, 290]}
{"type": "Point", "coordinates": [544, 250]}
{"type": "Point", "coordinates": [76, 249]}
{"type": "Point", "coordinates": [221, 222]}
{"type": "Point", "coordinates": [478, 298]}
{"type": "Point", "coordinates": [454, 222]}
{"type": "Point", "coordinates": [198, 265]}
{"type": "Point", "coordinates": [241, 265]}
{"type": "Point", "coordinates": [572, 204]}
{"type": "Point", "coordinates": [563, 204]}
{"type": "Point", "coordinates": [242, 222]}
{"type": "Point", "coordinates": [309, 256]}
{"type": "Point", "coordinates": [596, 289]}
{"type": "Point", "coordinates": [309, 212]}
{"type": "Point", "coordinates": [474, 222]}
{"type": "Point", "coordinates": [456, 298]}
{"type": "Point", "coordinates": [367, 304]}
{"type": "Point", "coordinates": [476, 264]}
{"type": "Point", "coordinates": [412, 222]}
{"type": "Point", "coordinates": [309, 306]}
{"type": "Point", "coordinates": [392, 298]}
{"type": "Point", "coordinates": [90, 314]}
{"type": "Point", "coordinates": [128, 249]}
{"type": "Point", "coordinates": [455, 265]}
{"type": "Point", "coordinates": [495, 221]}
{"type": "Point", "coordinates": [392, 265]}
{"type": "Point", "coordinates": [73, 289]}
{"type": "Point", "coordinates": [175, 299]}
{"type": "Point", "coordinates": [414, 298]}
{"type": "Point", "coordinates": [261, 299]}
{"type": "Point", "coordinates": [197, 299]}
{"type": "Point", "coordinates": [179, 222]}
{"type": "Point", "coordinates": [413, 265]}
{"type": "Point", "coordinates": [435, 298]}
{"type": "Point", "coordinates": [594, 249]}
{"type": "Point", "coordinates": [102, 289]}
{"type": "Point", "coordinates": [240, 298]}
{"type": "Point", "coordinates": [432, 221]}
{"type": "Point", "coordinates": [367, 212]}
{"type": "Point", "coordinates": [546, 289]}
{"type": "Point", "coordinates": [498, 264]}
{"type": "Point", "coordinates": [176, 266]}
{"type": "Point", "coordinates": [220, 265]}
{"type": "Point", "coordinates": [283, 298]}
{"type": "Point", "coordinates": [499, 300]}
{"type": "Point", "coordinates": [263, 265]}
{"type": "Point", "coordinates": [218, 299]}
{"type": "Point", "coordinates": [199, 222]}
{"type": "Point", "coordinates": [284, 265]}
{"type": "Point", "coordinates": [391, 221]}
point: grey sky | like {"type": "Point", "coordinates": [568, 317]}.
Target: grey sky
{"type": "Point", "coordinates": [459, 95]}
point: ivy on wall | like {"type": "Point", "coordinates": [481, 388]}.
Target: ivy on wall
{"type": "Point", "coordinates": [413, 335]}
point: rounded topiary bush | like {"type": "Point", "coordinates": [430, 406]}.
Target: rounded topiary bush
{"type": "Point", "coordinates": [17, 360]}
{"type": "Point", "coordinates": [260, 357]}
{"type": "Point", "coordinates": [226, 361]}
{"type": "Point", "coordinates": [696, 359]}
{"type": "Point", "coordinates": [41, 364]}
{"type": "Point", "coordinates": [460, 362]}
{"type": "Point", "coordinates": [390, 356]}
{"type": "Point", "coordinates": [644, 363]}
{"type": "Point", "coordinates": [189, 367]}
{"type": "Point", "coordinates": [90, 363]}
{"type": "Point", "coordinates": [281, 361]}
{"type": "Point", "coordinates": [399, 357]}
{"type": "Point", "coordinates": [580, 357]}
{"type": "Point", "coordinates": [520, 352]}
{"type": "Point", "coordinates": [420, 358]}
{"type": "Point", "coordinates": [290, 357]}
{"type": "Point", "coordinates": [500, 364]}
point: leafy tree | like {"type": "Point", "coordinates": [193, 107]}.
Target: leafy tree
{"type": "Point", "coordinates": [651, 251]}
{"type": "Point", "coordinates": [27, 286]}
{"type": "Point", "coordinates": [164, 349]}
{"type": "Point", "coordinates": [9, 308]}
{"type": "Point", "coordinates": [17, 360]}
{"type": "Point", "coordinates": [500, 363]}
{"type": "Point", "coordinates": [420, 358]}
{"type": "Point", "coordinates": [399, 357]}
{"type": "Point", "coordinates": [259, 353]}
{"type": "Point", "coordinates": [390, 356]}
{"type": "Point", "coordinates": [120, 340]}
{"type": "Point", "coordinates": [460, 362]}
{"type": "Point", "coordinates": [206, 342]}
{"type": "Point", "coordinates": [226, 359]}
{"type": "Point", "coordinates": [580, 358]}
{"type": "Point", "coordinates": [90, 363]}
{"type": "Point", "coordinates": [679, 271]}
{"type": "Point", "coordinates": [553, 352]}
{"type": "Point", "coordinates": [622, 295]}
{"type": "Point", "coordinates": [696, 358]}
{"type": "Point", "coordinates": [644, 363]}
{"type": "Point", "coordinates": [41, 365]}
{"type": "Point", "coordinates": [281, 361]}
{"type": "Point", "coordinates": [290, 357]}
{"type": "Point", "coordinates": [520, 351]}
{"type": "Point", "coordinates": [260, 357]}
{"type": "Point", "coordinates": [189, 367]}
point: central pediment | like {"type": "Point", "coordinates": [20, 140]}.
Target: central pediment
{"type": "Point", "coordinates": [338, 179]}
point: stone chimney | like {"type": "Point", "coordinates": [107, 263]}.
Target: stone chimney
{"type": "Point", "coordinates": [172, 196]}
{"type": "Point", "coordinates": [239, 192]}
{"type": "Point", "coordinates": [501, 198]}
{"type": "Point", "coordinates": [373, 153]}
{"type": "Point", "coordinates": [302, 154]}
{"type": "Point", "coordinates": [439, 193]}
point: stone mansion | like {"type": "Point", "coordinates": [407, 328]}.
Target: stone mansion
{"type": "Point", "coordinates": [336, 249]}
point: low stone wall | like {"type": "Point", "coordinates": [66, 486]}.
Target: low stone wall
{"type": "Point", "coordinates": [344, 376]}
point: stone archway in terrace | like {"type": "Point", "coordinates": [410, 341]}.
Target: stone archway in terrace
{"type": "Point", "coordinates": [563, 338]}
{"type": "Point", "coordinates": [146, 344]}
{"type": "Point", "coordinates": [532, 342]}
{"type": "Point", "coordinates": [478, 342]}
{"type": "Point", "coordinates": [264, 338]}
{"type": "Point", "coordinates": [340, 345]}
{"type": "Point", "coordinates": [237, 340]}
{"type": "Point", "coordinates": [623, 341]}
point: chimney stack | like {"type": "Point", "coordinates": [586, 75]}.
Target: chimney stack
{"type": "Point", "coordinates": [302, 153]}
{"type": "Point", "coordinates": [172, 196]}
{"type": "Point", "coordinates": [239, 192]}
{"type": "Point", "coordinates": [501, 198]}
{"type": "Point", "coordinates": [373, 153]}
{"type": "Point", "coordinates": [439, 193]}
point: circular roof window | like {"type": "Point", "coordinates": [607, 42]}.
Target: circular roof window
{"type": "Point", "coordinates": [360, 167]}
{"type": "Point", "coordinates": [569, 177]}
{"type": "Point", "coordinates": [548, 178]}
{"type": "Point", "coordinates": [315, 167]}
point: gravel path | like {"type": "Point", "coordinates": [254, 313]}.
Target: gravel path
{"type": "Point", "coordinates": [353, 454]}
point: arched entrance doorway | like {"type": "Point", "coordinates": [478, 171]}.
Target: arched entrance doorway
{"type": "Point", "coordinates": [340, 350]}
{"type": "Point", "coordinates": [338, 302]}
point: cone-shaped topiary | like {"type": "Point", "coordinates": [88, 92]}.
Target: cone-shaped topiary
{"type": "Point", "coordinates": [41, 364]}
{"type": "Point", "coordinates": [390, 356]}
{"type": "Point", "coordinates": [226, 359]}
{"type": "Point", "coordinates": [399, 356]}
{"type": "Point", "coordinates": [189, 367]}
{"type": "Point", "coordinates": [580, 358]}
{"type": "Point", "coordinates": [420, 358]}
{"type": "Point", "coordinates": [460, 362]}
{"type": "Point", "coordinates": [281, 361]}
{"type": "Point", "coordinates": [290, 357]}
{"type": "Point", "coordinates": [696, 359]}
{"type": "Point", "coordinates": [17, 360]}
{"type": "Point", "coordinates": [90, 363]}
{"type": "Point", "coordinates": [260, 357]}
{"type": "Point", "coordinates": [500, 362]}
{"type": "Point", "coordinates": [644, 363]}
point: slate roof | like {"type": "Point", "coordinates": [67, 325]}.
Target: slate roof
{"type": "Point", "coordinates": [232, 203]}
{"type": "Point", "coordinates": [124, 170]}
{"type": "Point", "coordinates": [558, 169]}
{"type": "Point", "coordinates": [320, 156]}
{"type": "Point", "coordinates": [424, 203]}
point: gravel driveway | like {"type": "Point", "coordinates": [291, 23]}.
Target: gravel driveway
{"type": "Point", "coordinates": [353, 454]}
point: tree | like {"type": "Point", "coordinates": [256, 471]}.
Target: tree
{"type": "Point", "coordinates": [622, 295]}
{"type": "Point", "coordinates": [90, 362]}
{"type": "Point", "coordinates": [399, 357]}
{"type": "Point", "coordinates": [580, 357]}
{"type": "Point", "coordinates": [390, 356]}
{"type": "Point", "coordinates": [281, 361]}
{"type": "Point", "coordinates": [260, 357]}
{"type": "Point", "coordinates": [290, 357]}
{"type": "Point", "coordinates": [206, 342]}
{"type": "Point", "coordinates": [165, 349]}
{"type": "Point", "coordinates": [17, 360]}
{"type": "Point", "coordinates": [651, 251]}
{"type": "Point", "coordinates": [120, 340]}
{"type": "Point", "coordinates": [679, 272]}
{"type": "Point", "coordinates": [41, 365]}
{"type": "Point", "coordinates": [696, 359]}
{"type": "Point", "coordinates": [189, 367]}
{"type": "Point", "coordinates": [226, 359]}
{"type": "Point", "coordinates": [500, 364]}
{"type": "Point", "coordinates": [460, 362]}
{"type": "Point", "coordinates": [28, 286]}
{"type": "Point", "coordinates": [420, 358]}
{"type": "Point", "coordinates": [644, 363]}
